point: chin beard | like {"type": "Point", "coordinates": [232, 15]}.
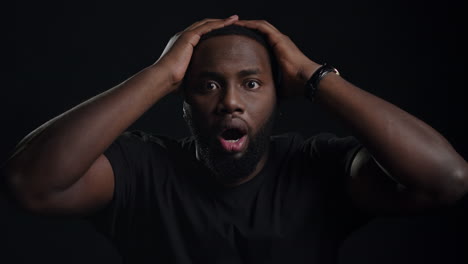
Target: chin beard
{"type": "Point", "coordinates": [230, 168]}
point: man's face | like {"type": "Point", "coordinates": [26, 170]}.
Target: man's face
{"type": "Point", "coordinates": [229, 103]}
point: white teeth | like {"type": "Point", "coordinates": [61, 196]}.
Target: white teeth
{"type": "Point", "coordinates": [232, 140]}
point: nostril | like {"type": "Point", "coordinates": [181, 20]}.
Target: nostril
{"type": "Point", "coordinates": [224, 108]}
{"type": "Point", "coordinates": [227, 110]}
{"type": "Point", "coordinates": [230, 102]}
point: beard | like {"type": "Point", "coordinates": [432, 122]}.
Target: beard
{"type": "Point", "coordinates": [226, 167]}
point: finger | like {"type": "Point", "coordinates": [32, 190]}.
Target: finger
{"type": "Point", "coordinates": [272, 33]}
{"type": "Point", "coordinates": [207, 20]}
{"type": "Point", "coordinates": [212, 25]}
{"type": "Point", "coordinates": [198, 23]}
{"type": "Point", "coordinates": [268, 23]}
{"type": "Point", "coordinates": [260, 25]}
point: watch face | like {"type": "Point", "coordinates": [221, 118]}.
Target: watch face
{"type": "Point", "coordinates": [336, 71]}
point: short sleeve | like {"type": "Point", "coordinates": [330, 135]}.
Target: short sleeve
{"type": "Point", "coordinates": [138, 161]}
{"type": "Point", "coordinates": [333, 155]}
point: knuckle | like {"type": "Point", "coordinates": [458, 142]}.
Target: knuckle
{"type": "Point", "coordinates": [188, 34]}
{"type": "Point", "coordinates": [282, 36]}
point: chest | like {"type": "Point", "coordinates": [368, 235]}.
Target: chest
{"type": "Point", "coordinates": [262, 224]}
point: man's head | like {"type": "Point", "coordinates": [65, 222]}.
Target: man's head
{"type": "Point", "coordinates": [230, 101]}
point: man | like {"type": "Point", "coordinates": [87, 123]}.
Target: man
{"type": "Point", "coordinates": [230, 193]}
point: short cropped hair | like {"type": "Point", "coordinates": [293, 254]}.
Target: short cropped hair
{"type": "Point", "coordinates": [255, 35]}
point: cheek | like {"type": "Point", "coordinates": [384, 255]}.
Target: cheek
{"type": "Point", "coordinates": [203, 105]}
{"type": "Point", "coordinates": [200, 110]}
{"type": "Point", "coordinates": [261, 111]}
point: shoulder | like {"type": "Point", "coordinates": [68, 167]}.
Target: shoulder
{"type": "Point", "coordinates": [137, 140]}
{"type": "Point", "coordinates": [324, 150]}
{"type": "Point", "coordinates": [315, 145]}
{"type": "Point", "coordinates": [287, 141]}
{"type": "Point", "coordinates": [137, 149]}
{"type": "Point", "coordinates": [326, 144]}
{"type": "Point", "coordinates": [142, 137]}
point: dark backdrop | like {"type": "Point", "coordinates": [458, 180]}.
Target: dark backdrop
{"type": "Point", "coordinates": [410, 54]}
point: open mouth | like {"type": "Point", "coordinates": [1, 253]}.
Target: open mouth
{"type": "Point", "coordinates": [232, 135]}
{"type": "Point", "coordinates": [233, 140]}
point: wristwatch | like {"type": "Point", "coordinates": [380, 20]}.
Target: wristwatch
{"type": "Point", "coordinates": [313, 82]}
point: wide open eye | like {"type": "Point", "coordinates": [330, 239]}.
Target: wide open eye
{"type": "Point", "coordinates": [207, 87]}
{"type": "Point", "coordinates": [252, 84]}
{"type": "Point", "coordinates": [210, 86]}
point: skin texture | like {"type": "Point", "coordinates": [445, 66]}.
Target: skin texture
{"type": "Point", "coordinates": [414, 154]}
{"type": "Point", "coordinates": [75, 178]}
{"type": "Point", "coordinates": [233, 83]}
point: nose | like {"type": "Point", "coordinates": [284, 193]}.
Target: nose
{"type": "Point", "coordinates": [230, 101]}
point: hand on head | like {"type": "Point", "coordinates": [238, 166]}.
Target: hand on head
{"type": "Point", "coordinates": [178, 52]}
{"type": "Point", "coordinates": [296, 68]}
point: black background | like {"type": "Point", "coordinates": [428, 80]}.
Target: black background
{"type": "Point", "coordinates": [410, 54]}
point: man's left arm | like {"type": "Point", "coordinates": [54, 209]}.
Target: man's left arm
{"type": "Point", "coordinates": [427, 172]}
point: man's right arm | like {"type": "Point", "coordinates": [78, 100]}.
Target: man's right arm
{"type": "Point", "coordinates": [60, 166]}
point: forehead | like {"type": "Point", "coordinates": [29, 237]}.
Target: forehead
{"type": "Point", "coordinates": [229, 53]}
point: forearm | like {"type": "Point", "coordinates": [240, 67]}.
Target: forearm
{"type": "Point", "coordinates": [58, 153]}
{"type": "Point", "coordinates": [410, 150]}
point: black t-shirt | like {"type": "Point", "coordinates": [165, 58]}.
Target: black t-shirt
{"type": "Point", "coordinates": [168, 209]}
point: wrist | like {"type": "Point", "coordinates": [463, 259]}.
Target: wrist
{"type": "Point", "coordinates": [162, 78]}
{"type": "Point", "coordinates": [312, 85]}
{"type": "Point", "coordinates": [307, 71]}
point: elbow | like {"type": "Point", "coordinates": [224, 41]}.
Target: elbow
{"type": "Point", "coordinates": [20, 193]}
{"type": "Point", "coordinates": [456, 186]}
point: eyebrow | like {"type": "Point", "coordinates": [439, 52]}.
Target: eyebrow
{"type": "Point", "coordinates": [217, 75]}
{"type": "Point", "coordinates": [248, 72]}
